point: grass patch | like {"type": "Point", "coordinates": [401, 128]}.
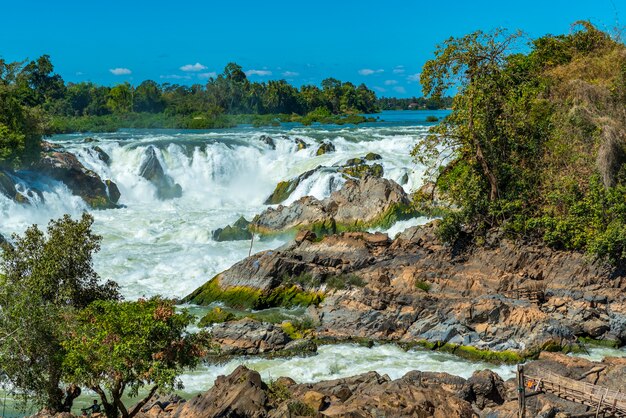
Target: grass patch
{"type": "Point", "coordinates": [468, 352]}
{"type": "Point", "coordinates": [421, 284]}
{"type": "Point", "coordinates": [344, 281]}
{"type": "Point", "coordinates": [299, 328]}
{"type": "Point", "coordinates": [300, 409]}
{"type": "Point", "coordinates": [598, 343]}
{"type": "Point", "coordinates": [277, 392]}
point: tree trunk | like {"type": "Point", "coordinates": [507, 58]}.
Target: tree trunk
{"type": "Point", "coordinates": [142, 402]}
{"type": "Point", "coordinates": [480, 156]}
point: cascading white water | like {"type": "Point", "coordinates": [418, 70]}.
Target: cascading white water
{"type": "Point", "coordinates": [153, 246]}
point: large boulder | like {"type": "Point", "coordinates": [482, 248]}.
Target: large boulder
{"type": "Point", "coordinates": [65, 167]}
{"type": "Point", "coordinates": [247, 336]}
{"type": "Point", "coordinates": [358, 205]}
{"type": "Point", "coordinates": [241, 394]}
{"type": "Point", "coordinates": [152, 171]}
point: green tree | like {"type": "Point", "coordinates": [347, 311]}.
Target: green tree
{"type": "Point", "coordinates": [148, 98]}
{"type": "Point", "coordinates": [44, 279]}
{"type": "Point", "coordinates": [118, 348]}
{"type": "Point", "coordinates": [120, 98]}
{"type": "Point", "coordinates": [21, 127]}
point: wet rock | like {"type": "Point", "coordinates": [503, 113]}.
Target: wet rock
{"type": "Point", "coordinates": [89, 140]}
{"type": "Point", "coordinates": [66, 168]}
{"type": "Point", "coordinates": [284, 189]}
{"type": "Point", "coordinates": [301, 144]}
{"type": "Point", "coordinates": [404, 179]}
{"type": "Point", "coordinates": [247, 336]}
{"type": "Point", "coordinates": [240, 394]}
{"type": "Point", "coordinates": [102, 155]}
{"type": "Point", "coordinates": [372, 156]}
{"type": "Point", "coordinates": [152, 171]}
{"type": "Point", "coordinates": [484, 389]}
{"type": "Point", "coordinates": [325, 148]}
{"type": "Point", "coordinates": [112, 190]}
{"type": "Point", "coordinates": [235, 232]}
{"type": "Point", "coordinates": [268, 141]}
{"type": "Point", "coordinates": [357, 168]}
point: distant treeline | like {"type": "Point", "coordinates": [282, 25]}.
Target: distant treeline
{"type": "Point", "coordinates": [35, 85]}
{"type": "Point", "coordinates": [414, 103]}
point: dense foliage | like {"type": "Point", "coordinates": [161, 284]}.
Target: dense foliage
{"type": "Point", "coordinates": [414, 103]}
{"type": "Point", "coordinates": [536, 143]}
{"type": "Point", "coordinates": [117, 348]}
{"type": "Point", "coordinates": [43, 280]}
{"type": "Point", "coordinates": [60, 324]}
{"type": "Point", "coordinates": [21, 120]}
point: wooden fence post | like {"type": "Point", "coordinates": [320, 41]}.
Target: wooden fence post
{"type": "Point", "coordinates": [521, 392]}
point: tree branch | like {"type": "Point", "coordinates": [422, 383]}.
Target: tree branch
{"type": "Point", "coordinates": [142, 402]}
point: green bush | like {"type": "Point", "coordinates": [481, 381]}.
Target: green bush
{"type": "Point", "coordinates": [420, 284]}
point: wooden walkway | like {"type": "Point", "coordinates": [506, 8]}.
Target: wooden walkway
{"type": "Point", "coordinates": [603, 401]}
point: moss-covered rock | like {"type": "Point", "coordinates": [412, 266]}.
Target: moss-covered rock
{"type": "Point", "coordinates": [363, 170]}
{"type": "Point", "coordinates": [216, 316]}
{"type": "Point", "coordinates": [244, 297]}
{"type": "Point", "coordinates": [325, 148]}
{"type": "Point", "coordinates": [236, 232]}
{"type": "Point", "coordinates": [300, 144]}
{"type": "Point", "coordinates": [284, 189]}
{"type": "Point", "coordinates": [372, 156]}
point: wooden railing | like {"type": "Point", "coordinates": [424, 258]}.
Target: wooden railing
{"type": "Point", "coordinates": [606, 402]}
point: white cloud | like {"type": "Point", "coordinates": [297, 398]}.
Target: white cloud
{"type": "Point", "coordinates": [80, 73]}
{"type": "Point", "coordinates": [414, 77]}
{"type": "Point", "coordinates": [120, 71]}
{"type": "Point", "coordinates": [258, 72]}
{"type": "Point", "coordinates": [193, 67]}
{"type": "Point", "coordinates": [380, 89]}
{"type": "Point", "coordinates": [399, 69]}
{"type": "Point", "coordinates": [175, 77]}
{"type": "Point", "coordinates": [369, 71]}
{"type": "Point", "coordinates": [207, 75]}
{"type": "Point", "coordinates": [290, 74]}
{"type": "Point", "coordinates": [399, 89]}
{"type": "Point", "coordinates": [391, 82]}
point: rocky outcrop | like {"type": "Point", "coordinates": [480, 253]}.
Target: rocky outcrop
{"type": "Point", "coordinates": [503, 297]}
{"type": "Point", "coordinates": [247, 336]}
{"type": "Point", "coordinates": [66, 168]}
{"type": "Point", "coordinates": [235, 232]}
{"type": "Point", "coordinates": [152, 171]}
{"type": "Point", "coordinates": [359, 204]}
{"type": "Point", "coordinates": [244, 394]}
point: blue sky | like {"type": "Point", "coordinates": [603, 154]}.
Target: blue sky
{"type": "Point", "coordinates": [383, 44]}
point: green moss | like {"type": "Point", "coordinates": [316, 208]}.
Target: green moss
{"type": "Point", "coordinates": [325, 148]}
{"type": "Point", "coordinates": [421, 284]}
{"type": "Point", "coordinates": [363, 170]}
{"type": "Point", "coordinates": [468, 352]}
{"type": "Point", "coordinates": [372, 156]}
{"type": "Point", "coordinates": [243, 297]}
{"type": "Point", "coordinates": [282, 191]}
{"type": "Point", "coordinates": [599, 343]}
{"type": "Point", "coordinates": [216, 316]}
